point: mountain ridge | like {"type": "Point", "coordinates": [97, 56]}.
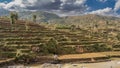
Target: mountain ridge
{"type": "Point", "coordinates": [54, 18]}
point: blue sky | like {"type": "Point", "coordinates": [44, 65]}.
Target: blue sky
{"type": "Point", "coordinates": [64, 7]}
{"type": "Point", "coordinates": [5, 1]}
{"type": "Point", "coordinates": [95, 4]}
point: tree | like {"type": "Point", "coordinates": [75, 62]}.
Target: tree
{"type": "Point", "coordinates": [100, 48]}
{"type": "Point", "coordinates": [44, 49]}
{"type": "Point", "coordinates": [34, 18]}
{"type": "Point", "coordinates": [13, 18]}
{"type": "Point", "coordinates": [73, 27]}
{"type": "Point", "coordinates": [53, 47]}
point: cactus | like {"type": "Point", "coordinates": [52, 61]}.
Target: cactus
{"type": "Point", "coordinates": [34, 18]}
{"type": "Point", "coordinates": [13, 18]}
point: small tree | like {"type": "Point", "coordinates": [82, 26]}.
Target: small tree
{"type": "Point", "coordinates": [53, 47]}
{"type": "Point", "coordinates": [73, 27]}
{"type": "Point", "coordinates": [13, 18]}
{"type": "Point", "coordinates": [100, 48]}
{"type": "Point", "coordinates": [34, 18]}
{"type": "Point", "coordinates": [44, 49]}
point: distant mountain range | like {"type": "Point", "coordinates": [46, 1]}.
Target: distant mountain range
{"type": "Point", "coordinates": [91, 18]}
{"type": "Point", "coordinates": [78, 20]}
{"type": "Point", "coordinates": [41, 16]}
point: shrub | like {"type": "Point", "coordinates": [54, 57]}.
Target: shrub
{"type": "Point", "coordinates": [99, 48]}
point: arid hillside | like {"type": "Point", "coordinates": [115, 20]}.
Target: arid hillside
{"type": "Point", "coordinates": [25, 38]}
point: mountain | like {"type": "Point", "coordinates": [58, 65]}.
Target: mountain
{"type": "Point", "coordinates": [83, 20]}
{"type": "Point", "coordinates": [41, 16]}
{"type": "Point", "coordinates": [91, 20]}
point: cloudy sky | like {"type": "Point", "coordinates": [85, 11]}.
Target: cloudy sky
{"type": "Point", "coordinates": [64, 7]}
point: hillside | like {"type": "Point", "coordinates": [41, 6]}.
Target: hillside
{"type": "Point", "coordinates": [17, 40]}
{"type": "Point", "coordinates": [91, 20]}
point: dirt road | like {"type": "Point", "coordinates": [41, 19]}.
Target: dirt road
{"type": "Point", "coordinates": [110, 64]}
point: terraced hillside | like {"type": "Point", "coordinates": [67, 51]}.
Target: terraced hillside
{"type": "Point", "coordinates": [18, 39]}
{"type": "Point", "coordinates": [15, 40]}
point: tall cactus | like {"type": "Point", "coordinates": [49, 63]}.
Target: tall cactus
{"type": "Point", "coordinates": [13, 18]}
{"type": "Point", "coordinates": [34, 18]}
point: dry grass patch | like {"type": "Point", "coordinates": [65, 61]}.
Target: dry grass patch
{"type": "Point", "coordinates": [82, 56]}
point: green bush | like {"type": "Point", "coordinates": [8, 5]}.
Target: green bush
{"type": "Point", "coordinates": [99, 48]}
{"type": "Point", "coordinates": [52, 47]}
{"type": "Point", "coordinates": [24, 59]}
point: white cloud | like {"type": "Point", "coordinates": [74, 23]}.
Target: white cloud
{"type": "Point", "coordinates": [75, 2]}
{"type": "Point", "coordinates": [70, 13]}
{"type": "Point", "coordinates": [102, 0]}
{"type": "Point", "coordinates": [61, 7]}
{"type": "Point", "coordinates": [73, 5]}
{"type": "Point", "coordinates": [117, 5]}
{"type": "Point", "coordinates": [104, 11]}
{"type": "Point", "coordinates": [80, 2]}
{"type": "Point", "coordinates": [2, 5]}
{"type": "Point", "coordinates": [16, 4]}
{"type": "Point", "coordinates": [23, 4]}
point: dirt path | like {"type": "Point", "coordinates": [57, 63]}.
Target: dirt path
{"type": "Point", "coordinates": [110, 64]}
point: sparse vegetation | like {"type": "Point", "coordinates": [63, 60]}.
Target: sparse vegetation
{"type": "Point", "coordinates": [34, 17]}
{"type": "Point", "coordinates": [118, 36]}
{"type": "Point", "coordinates": [27, 27]}
{"type": "Point", "coordinates": [73, 27]}
{"type": "Point", "coordinates": [99, 48]}
{"type": "Point", "coordinates": [34, 39]}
